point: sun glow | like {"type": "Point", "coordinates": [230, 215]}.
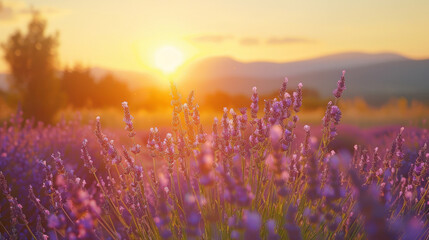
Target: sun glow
{"type": "Point", "coordinates": [168, 59]}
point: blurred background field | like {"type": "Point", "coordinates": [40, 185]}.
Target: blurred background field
{"type": "Point", "coordinates": [355, 112]}
{"type": "Point", "coordinates": [398, 112]}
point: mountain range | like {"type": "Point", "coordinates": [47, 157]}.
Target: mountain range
{"type": "Point", "coordinates": [375, 77]}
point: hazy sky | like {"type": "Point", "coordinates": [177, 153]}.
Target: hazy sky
{"type": "Point", "coordinates": [125, 34]}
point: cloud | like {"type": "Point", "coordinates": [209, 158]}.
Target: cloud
{"type": "Point", "coordinates": [210, 38]}
{"type": "Point", "coordinates": [249, 41]}
{"type": "Point", "coordinates": [287, 40]}
{"type": "Point", "coordinates": [11, 11]}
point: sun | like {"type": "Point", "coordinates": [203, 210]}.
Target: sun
{"type": "Point", "coordinates": [168, 58]}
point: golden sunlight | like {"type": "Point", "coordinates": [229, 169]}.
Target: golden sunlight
{"type": "Point", "coordinates": [168, 58]}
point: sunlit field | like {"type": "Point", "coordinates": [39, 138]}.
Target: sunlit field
{"type": "Point", "coordinates": [213, 121]}
{"type": "Point", "coordinates": [354, 113]}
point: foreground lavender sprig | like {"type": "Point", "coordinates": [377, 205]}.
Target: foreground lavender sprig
{"type": "Point", "coordinates": [255, 103]}
{"type": "Point", "coordinates": [128, 119]}
{"type": "Point", "coordinates": [341, 86]}
{"type": "Point", "coordinates": [297, 98]}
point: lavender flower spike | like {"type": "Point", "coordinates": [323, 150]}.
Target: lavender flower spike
{"type": "Point", "coordinates": [283, 88]}
{"type": "Point", "coordinates": [254, 106]}
{"type": "Point", "coordinates": [128, 119]}
{"type": "Point", "coordinates": [88, 163]}
{"type": "Point", "coordinates": [341, 86]}
{"type": "Point", "coordinates": [297, 98]}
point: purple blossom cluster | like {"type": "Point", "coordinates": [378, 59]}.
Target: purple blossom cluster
{"type": "Point", "coordinates": [248, 179]}
{"type": "Point", "coordinates": [35, 160]}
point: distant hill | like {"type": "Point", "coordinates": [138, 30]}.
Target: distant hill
{"type": "Point", "coordinates": [220, 67]}
{"type": "Point", "coordinates": [376, 83]}
{"type": "Point", "coordinates": [376, 77]}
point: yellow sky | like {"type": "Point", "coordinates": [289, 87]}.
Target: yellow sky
{"type": "Point", "coordinates": [126, 34]}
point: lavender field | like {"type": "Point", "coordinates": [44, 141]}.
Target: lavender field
{"type": "Point", "coordinates": [256, 174]}
{"type": "Point", "coordinates": [214, 120]}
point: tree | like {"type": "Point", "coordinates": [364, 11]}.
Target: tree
{"type": "Point", "coordinates": [79, 85]}
{"type": "Point", "coordinates": [32, 59]}
{"type": "Point", "coordinates": [110, 91]}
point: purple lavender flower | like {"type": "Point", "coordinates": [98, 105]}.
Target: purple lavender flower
{"type": "Point", "coordinates": [297, 96]}
{"type": "Point", "coordinates": [243, 119]}
{"type": "Point", "coordinates": [135, 149]}
{"type": "Point", "coordinates": [169, 151]}
{"type": "Point", "coordinates": [152, 143]}
{"type": "Point", "coordinates": [254, 107]}
{"type": "Point", "coordinates": [235, 190]}
{"type": "Point", "coordinates": [40, 231]}
{"type": "Point", "coordinates": [48, 182]}
{"type": "Point", "coordinates": [196, 116]}
{"type": "Point", "coordinates": [399, 144]}
{"type": "Point", "coordinates": [283, 88]}
{"type": "Point", "coordinates": [276, 112]}
{"type": "Point", "coordinates": [16, 213]}
{"type": "Point", "coordinates": [271, 228]}
{"type": "Point", "coordinates": [235, 126]}
{"type": "Point", "coordinates": [3, 184]}
{"type": "Point", "coordinates": [267, 108]}
{"type": "Point", "coordinates": [312, 170]}
{"type": "Point", "coordinates": [286, 103]}
{"type": "Point", "coordinates": [335, 118]}
{"type": "Point", "coordinates": [215, 136]}
{"type": "Point", "coordinates": [306, 145]}
{"type": "Point", "coordinates": [58, 163]}
{"type": "Point", "coordinates": [202, 136]}
{"type": "Point", "coordinates": [225, 125]}
{"type": "Point", "coordinates": [252, 225]}
{"type": "Point", "coordinates": [341, 86]}
{"type": "Point", "coordinates": [288, 137]}
{"type": "Point", "coordinates": [327, 118]}
{"type": "Point", "coordinates": [176, 122]}
{"type": "Point", "coordinates": [191, 101]}
{"type": "Point", "coordinates": [375, 220]}
{"type": "Point", "coordinates": [162, 219]}
{"type": "Point", "coordinates": [36, 201]}
{"type": "Point", "coordinates": [293, 231]}
{"type": "Point", "coordinates": [87, 160]}
{"type": "Point", "coordinates": [205, 165]}
{"type": "Point", "coordinates": [102, 139]}
{"type": "Point", "coordinates": [128, 119]}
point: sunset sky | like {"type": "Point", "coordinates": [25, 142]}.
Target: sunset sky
{"type": "Point", "coordinates": [126, 34]}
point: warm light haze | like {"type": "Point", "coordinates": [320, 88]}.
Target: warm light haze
{"type": "Point", "coordinates": [168, 59]}
{"type": "Point", "coordinates": [224, 119]}
{"type": "Point", "coordinates": [125, 35]}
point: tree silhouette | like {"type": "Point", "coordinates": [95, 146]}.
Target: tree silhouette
{"type": "Point", "coordinates": [32, 59]}
{"type": "Point", "coordinates": [79, 85]}
{"type": "Point", "coordinates": [110, 91]}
